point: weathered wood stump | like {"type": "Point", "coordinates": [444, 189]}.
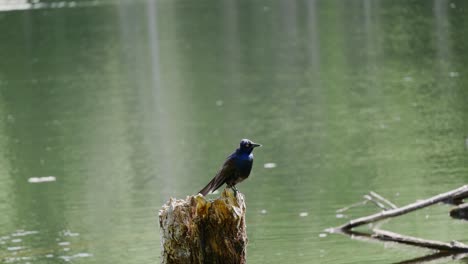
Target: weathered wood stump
{"type": "Point", "coordinates": [197, 230]}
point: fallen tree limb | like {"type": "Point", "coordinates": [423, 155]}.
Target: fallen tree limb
{"type": "Point", "coordinates": [453, 195]}
{"type": "Point", "coordinates": [453, 249]}
{"type": "Point", "coordinates": [439, 254]}
{"type": "Point", "coordinates": [415, 241]}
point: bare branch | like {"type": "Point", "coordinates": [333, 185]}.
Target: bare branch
{"type": "Point", "coordinates": [372, 197]}
{"type": "Point", "coordinates": [414, 241]}
{"type": "Point", "coordinates": [341, 210]}
{"type": "Point", "coordinates": [458, 193]}
{"type": "Point", "coordinates": [455, 252]}
{"type": "Point", "coordinates": [378, 196]}
{"type": "Point", "coordinates": [434, 257]}
{"type": "Point", "coordinates": [377, 203]}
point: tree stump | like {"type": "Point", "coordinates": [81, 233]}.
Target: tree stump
{"type": "Point", "coordinates": [197, 230]}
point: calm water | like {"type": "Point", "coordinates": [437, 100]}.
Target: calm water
{"type": "Point", "coordinates": [127, 103]}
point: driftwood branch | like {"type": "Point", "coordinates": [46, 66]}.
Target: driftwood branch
{"type": "Point", "coordinates": [443, 250]}
{"type": "Point", "coordinates": [437, 256]}
{"type": "Point", "coordinates": [415, 241]}
{"type": "Point", "coordinates": [196, 230]}
{"type": "Point", "coordinates": [456, 194]}
{"type": "Point", "coordinates": [454, 248]}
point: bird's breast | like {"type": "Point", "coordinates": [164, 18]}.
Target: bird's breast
{"type": "Point", "coordinates": [245, 158]}
{"type": "Point", "coordinates": [244, 163]}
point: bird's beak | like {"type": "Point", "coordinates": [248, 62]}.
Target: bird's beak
{"type": "Point", "coordinates": [256, 145]}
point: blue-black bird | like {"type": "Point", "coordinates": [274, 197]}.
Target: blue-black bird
{"type": "Point", "coordinates": [235, 169]}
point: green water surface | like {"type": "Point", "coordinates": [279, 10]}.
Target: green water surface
{"type": "Point", "coordinates": [128, 103]}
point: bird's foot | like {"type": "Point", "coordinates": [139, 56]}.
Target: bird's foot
{"type": "Point", "coordinates": [235, 190]}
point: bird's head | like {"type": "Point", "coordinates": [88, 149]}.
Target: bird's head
{"type": "Point", "coordinates": [248, 145]}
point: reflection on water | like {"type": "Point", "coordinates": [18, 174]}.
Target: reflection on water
{"type": "Point", "coordinates": [12, 5]}
{"type": "Point", "coordinates": [24, 246]}
{"type": "Point", "coordinates": [127, 103]}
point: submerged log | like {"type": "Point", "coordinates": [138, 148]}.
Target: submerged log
{"type": "Point", "coordinates": [197, 230]}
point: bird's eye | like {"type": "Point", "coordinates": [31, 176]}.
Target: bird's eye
{"type": "Point", "coordinates": [247, 145]}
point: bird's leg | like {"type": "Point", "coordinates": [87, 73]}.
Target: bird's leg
{"type": "Point", "coordinates": [233, 187]}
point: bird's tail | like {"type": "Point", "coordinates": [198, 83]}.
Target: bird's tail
{"type": "Point", "coordinates": [213, 185]}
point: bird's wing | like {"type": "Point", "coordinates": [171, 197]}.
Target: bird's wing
{"type": "Point", "coordinates": [221, 177]}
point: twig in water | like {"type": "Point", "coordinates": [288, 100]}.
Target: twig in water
{"type": "Point", "coordinates": [376, 203]}
{"type": "Point", "coordinates": [344, 209]}
{"type": "Point", "coordinates": [368, 198]}
{"type": "Point", "coordinates": [378, 196]}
